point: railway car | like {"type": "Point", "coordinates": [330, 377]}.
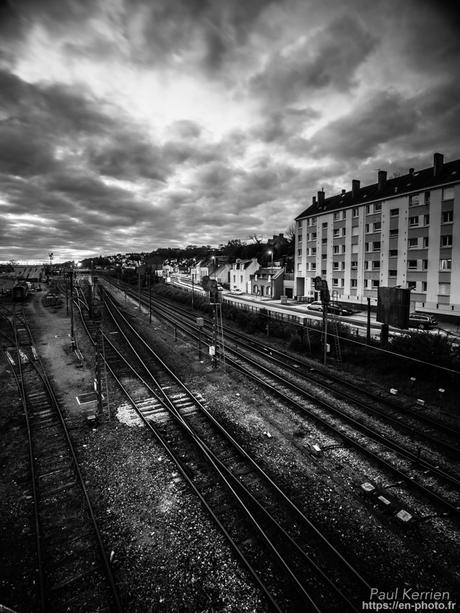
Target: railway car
{"type": "Point", "coordinates": [20, 290]}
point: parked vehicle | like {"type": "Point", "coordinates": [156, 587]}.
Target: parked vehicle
{"type": "Point", "coordinates": [422, 322]}
{"type": "Point", "coordinates": [316, 305]}
{"type": "Point", "coordinates": [237, 291]}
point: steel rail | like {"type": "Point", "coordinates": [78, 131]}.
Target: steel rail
{"type": "Point", "coordinates": [237, 446]}
{"type": "Point", "coordinates": [370, 432]}
{"type": "Point", "coordinates": [55, 404]}
{"type": "Point", "coordinates": [230, 476]}
{"type": "Point", "coordinates": [452, 508]}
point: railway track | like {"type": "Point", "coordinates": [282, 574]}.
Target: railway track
{"type": "Point", "coordinates": [402, 454]}
{"type": "Point", "coordinates": [73, 571]}
{"type": "Point", "coordinates": [292, 562]}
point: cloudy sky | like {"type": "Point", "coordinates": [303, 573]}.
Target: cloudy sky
{"type": "Point", "coordinates": [127, 125]}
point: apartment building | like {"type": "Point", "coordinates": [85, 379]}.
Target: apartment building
{"type": "Point", "coordinates": [403, 231]}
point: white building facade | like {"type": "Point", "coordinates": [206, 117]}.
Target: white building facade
{"type": "Point", "coordinates": [404, 232]}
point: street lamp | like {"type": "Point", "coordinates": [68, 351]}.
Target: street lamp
{"type": "Point", "coordinates": [271, 274]}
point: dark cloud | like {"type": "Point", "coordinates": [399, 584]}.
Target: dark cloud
{"type": "Point", "coordinates": [329, 59]}
{"type": "Point", "coordinates": [25, 151]}
{"type": "Point", "coordinates": [280, 126]}
{"type": "Point", "coordinates": [127, 155]}
{"type": "Point", "coordinates": [377, 121]}
{"type": "Point", "coordinates": [173, 27]}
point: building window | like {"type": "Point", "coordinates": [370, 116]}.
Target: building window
{"type": "Point", "coordinates": [413, 221]}
{"type": "Point", "coordinates": [335, 265]}
{"type": "Point", "coordinates": [414, 199]}
{"type": "Point", "coordinates": [355, 248]}
{"type": "Point", "coordinates": [336, 248]}
{"type": "Point", "coordinates": [424, 286]}
{"type": "Point", "coordinates": [335, 283]}
{"type": "Point", "coordinates": [411, 285]}
{"type": "Point", "coordinates": [394, 212]}
{"type": "Point", "coordinates": [299, 238]}
{"type": "Point", "coordinates": [448, 217]}
{"type": "Point", "coordinates": [446, 240]}
{"type": "Point", "coordinates": [394, 232]}
{"type": "Point", "coordinates": [424, 264]}
{"type": "Point", "coordinates": [375, 265]}
{"type": "Point", "coordinates": [446, 264]}
{"type": "Point", "coordinates": [336, 232]}
{"type": "Point", "coordinates": [377, 226]}
{"type": "Point", "coordinates": [426, 241]}
{"type": "Point", "coordinates": [299, 252]}
{"type": "Point", "coordinates": [427, 197]}
{"type": "Point", "coordinates": [324, 241]}
{"type": "Point", "coordinates": [299, 268]}
{"type": "Point", "coordinates": [393, 253]}
{"type": "Point", "coordinates": [368, 208]}
{"type": "Point", "coordinates": [324, 224]}
{"type": "Point", "coordinates": [448, 193]}
{"type": "Point", "coordinates": [413, 243]}
{"type": "Point", "coordinates": [412, 264]}
{"type": "Point", "coordinates": [444, 289]}
{"type": "Point", "coordinates": [393, 273]}
{"type": "Point", "coordinates": [355, 231]}
{"type": "Point", "coordinates": [354, 265]}
{"type": "Point", "coordinates": [375, 283]}
{"type": "Point", "coordinates": [368, 246]}
{"type": "Point", "coordinates": [343, 248]}
{"type": "Point", "coordinates": [377, 207]}
{"type": "Point", "coordinates": [376, 246]}
{"type": "Point", "coordinates": [313, 265]}
{"type": "Point", "coordinates": [354, 283]}
{"type": "Point", "coordinates": [324, 256]}
{"type": "Point", "coordinates": [324, 271]}
{"type": "Point", "coordinates": [426, 220]}
{"type": "Point", "coordinates": [355, 212]}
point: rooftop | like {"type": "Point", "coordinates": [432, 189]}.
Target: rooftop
{"type": "Point", "coordinates": [414, 181]}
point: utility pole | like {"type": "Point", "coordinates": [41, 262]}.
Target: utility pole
{"type": "Point", "coordinates": [98, 372]}
{"type": "Point", "coordinates": [150, 296]}
{"type": "Point", "coordinates": [214, 335]}
{"type": "Point", "coordinates": [324, 334]}
{"type": "Point", "coordinates": [72, 334]}
{"type": "Point", "coordinates": [368, 331]}
{"type": "Point", "coordinates": [321, 286]}
{"type": "Point", "coordinates": [139, 285]}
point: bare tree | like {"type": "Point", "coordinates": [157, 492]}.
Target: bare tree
{"type": "Point", "coordinates": [290, 233]}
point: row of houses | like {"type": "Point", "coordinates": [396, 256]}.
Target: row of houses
{"type": "Point", "coordinates": [246, 275]}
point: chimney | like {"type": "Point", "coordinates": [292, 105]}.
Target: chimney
{"type": "Point", "coordinates": [438, 161]}
{"type": "Point", "coordinates": [382, 179]}
{"type": "Point", "coordinates": [411, 171]}
{"type": "Point", "coordinates": [344, 191]}
{"type": "Point", "coordinates": [321, 203]}
{"type": "Point", "coordinates": [313, 200]}
{"type": "Point", "coordinates": [355, 188]}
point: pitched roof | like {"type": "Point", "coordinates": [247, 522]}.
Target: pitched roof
{"type": "Point", "coordinates": [412, 182]}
